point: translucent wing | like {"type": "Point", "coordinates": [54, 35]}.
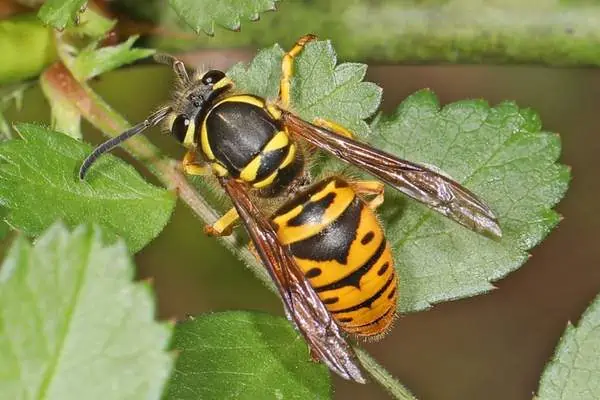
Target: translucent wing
{"type": "Point", "coordinates": [302, 305]}
{"type": "Point", "coordinates": [438, 192]}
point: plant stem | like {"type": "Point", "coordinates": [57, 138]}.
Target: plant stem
{"type": "Point", "coordinates": [103, 117]}
{"type": "Point", "coordinates": [382, 376]}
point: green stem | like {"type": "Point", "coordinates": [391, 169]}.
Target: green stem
{"type": "Point", "coordinates": [383, 377]}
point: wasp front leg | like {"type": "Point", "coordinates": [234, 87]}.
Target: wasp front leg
{"type": "Point", "coordinates": [191, 166]}
{"type": "Point", "coordinates": [287, 70]}
{"type": "Point", "coordinates": [224, 225]}
{"type": "Point", "coordinates": [370, 188]}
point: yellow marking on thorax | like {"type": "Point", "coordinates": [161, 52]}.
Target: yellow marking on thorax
{"type": "Point", "coordinates": [204, 141]}
{"type": "Point", "coordinates": [250, 171]}
{"type": "Point", "coordinates": [290, 234]}
{"type": "Point", "coordinates": [290, 156]}
{"type": "Point", "coordinates": [278, 141]}
{"type": "Point", "coordinates": [223, 82]}
{"type": "Point", "coordinates": [243, 98]}
{"type": "Point", "coordinates": [267, 181]}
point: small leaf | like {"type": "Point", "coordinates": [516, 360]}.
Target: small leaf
{"type": "Point", "coordinates": [574, 372]}
{"type": "Point", "coordinates": [91, 62]}
{"type": "Point", "coordinates": [203, 14]}
{"type": "Point", "coordinates": [39, 184]}
{"type": "Point", "coordinates": [74, 326]}
{"type": "Point", "coordinates": [60, 13]}
{"type": "Point", "coordinates": [244, 355]}
{"type": "Point", "coordinates": [499, 153]}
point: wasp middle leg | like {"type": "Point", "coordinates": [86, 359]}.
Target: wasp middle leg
{"type": "Point", "coordinates": [370, 188]}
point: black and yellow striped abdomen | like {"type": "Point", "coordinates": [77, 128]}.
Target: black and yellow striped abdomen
{"type": "Point", "coordinates": [241, 138]}
{"type": "Point", "coordinates": [340, 246]}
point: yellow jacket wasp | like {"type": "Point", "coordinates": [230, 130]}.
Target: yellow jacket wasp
{"type": "Point", "coordinates": [324, 248]}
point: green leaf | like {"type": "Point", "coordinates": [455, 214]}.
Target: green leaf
{"type": "Point", "coordinates": [319, 87]}
{"type": "Point", "coordinates": [203, 14]}
{"type": "Point", "coordinates": [244, 355]}
{"type": "Point", "coordinates": [39, 184]}
{"type": "Point", "coordinates": [74, 326]}
{"type": "Point", "coordinates": [574, 372]}
{"type": "Point", "coordinates": [60, 13]}
{"type": "Point", "coordinates": [91, 62]}
{"type": "Point", "coordinates": [499, 153]}
{"type": "Point", "coordinates": [92, 24]}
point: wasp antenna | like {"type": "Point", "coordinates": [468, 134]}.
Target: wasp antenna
{"type": "Point", "coordinates": [110, 144]}
{"type": "Point", "coordinates": [177, 65]}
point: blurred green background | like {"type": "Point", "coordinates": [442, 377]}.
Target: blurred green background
{"type": "Point", "coordinates": [492, 346]}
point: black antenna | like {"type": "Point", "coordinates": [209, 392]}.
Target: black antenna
{"type": "Point", "coordinates": [177, 65]}
{"type": "Point", "coordinates": [110, 144]}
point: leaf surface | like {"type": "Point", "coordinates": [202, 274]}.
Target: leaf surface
{"type": "Point", "coordinates": [73, 325]}
{"type": "Point", "coordinates": [244, 355]}
{"type": "Point", "coordinates": [574, 372]}
{"type": "Point", "coordinates": [39, 184]}
{"type": "Point", "coordinates": [61, 13]}
{"type": "Point", "coordinates": [202, 15]}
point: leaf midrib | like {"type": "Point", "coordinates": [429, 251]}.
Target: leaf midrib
{"type": "Point", "coordinates": [50, 371]}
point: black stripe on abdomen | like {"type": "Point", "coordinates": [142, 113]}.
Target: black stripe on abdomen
{"type": "Point", "coordinates": [335, 240]}
{"type": "Point", "coordinates": [353, 279]}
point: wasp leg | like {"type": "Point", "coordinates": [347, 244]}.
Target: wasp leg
{"type": "Point", "coordinates": [333, 127]}
{"type": "Point", "coordinates": [287, 69]}
{"type": "Point", "coordinates": [193, 167]}
{"type": "Point", "coordinates": [370, 188]}
{"type": "Point", "coordinates": [224, 225]}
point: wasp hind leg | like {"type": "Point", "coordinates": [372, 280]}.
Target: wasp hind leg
{"type": "Point", "coordinates": [224, 225]}
{"type": "Point", "coordinates": [370, 188]}
{"type": "Point", "coordinates": [287, 69]}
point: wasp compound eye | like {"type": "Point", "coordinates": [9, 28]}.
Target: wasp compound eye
{"type": "Point", "coordinates": [180, 127]}
{"type": "Point", "coordinates": [212, 77]}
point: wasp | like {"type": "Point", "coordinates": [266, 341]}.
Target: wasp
{"type": "Point", "coordinates": [324, 247]}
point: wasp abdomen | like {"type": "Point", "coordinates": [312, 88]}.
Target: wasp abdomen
{"type": "Point", "coordinates": [242, 139]}
{"type": "Point", "coordinates": [340, 246]}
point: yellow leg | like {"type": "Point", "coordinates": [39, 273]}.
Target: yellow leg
{"type": "Point", "coordinates": [193, 167]}
{"type": "Point", "coordinates": [287, 69]}
{"type": "Point", "coordinates": [224, 225]}
{"type": "Point", "coordinates": [370, 188]}
{"type": "Point", "coordinates": [333, 127]}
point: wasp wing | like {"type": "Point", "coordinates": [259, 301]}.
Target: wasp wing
{"type": "Point", "coordinates": [302, 305]}
{"type": "Point", "coordinates": [435, 190]}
